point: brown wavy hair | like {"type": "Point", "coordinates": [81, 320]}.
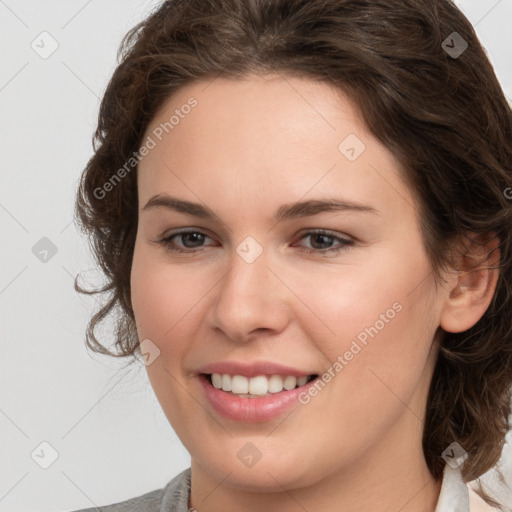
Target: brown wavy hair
{"type": "Point", "coordinates": [444, 117]}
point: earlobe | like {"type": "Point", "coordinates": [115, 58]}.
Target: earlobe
{"type": "Point", "coordinates": [470, 296]}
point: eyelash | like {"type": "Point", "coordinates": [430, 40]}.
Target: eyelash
{"type": "Point", "coordinates": [169, 243]}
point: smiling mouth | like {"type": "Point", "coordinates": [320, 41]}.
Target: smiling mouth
{"type": "Point", "coordinates": [256, 387]}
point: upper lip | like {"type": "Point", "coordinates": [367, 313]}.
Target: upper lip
{"type": "Point", "coordinates": [253, 369]}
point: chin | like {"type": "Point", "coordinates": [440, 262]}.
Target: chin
{"type": "Point", "coordinates": [264, 476]}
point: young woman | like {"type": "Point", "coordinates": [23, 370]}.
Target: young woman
{"type": "Point", "coordinates": [304, 210]}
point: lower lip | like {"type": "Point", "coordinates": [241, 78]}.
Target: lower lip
{"type": "Point", "coordinates": [252, 410]}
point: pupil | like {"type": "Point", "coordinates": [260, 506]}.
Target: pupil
{"type": "Point", "coordinates": [197, 237]}
{"type": "Point", "coordinates": [322, 237]}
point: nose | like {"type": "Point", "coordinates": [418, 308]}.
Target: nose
{"type": "Point", "coordinates": [251, 301]}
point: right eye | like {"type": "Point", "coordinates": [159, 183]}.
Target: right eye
{"type": "Point", "coordinates": [189, 239]}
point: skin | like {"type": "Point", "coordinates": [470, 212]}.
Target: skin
{"type": "Point", "coordinates": [248, 147]}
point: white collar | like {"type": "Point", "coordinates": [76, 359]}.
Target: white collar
{"type": "Point", "coordinates": [454, 495]}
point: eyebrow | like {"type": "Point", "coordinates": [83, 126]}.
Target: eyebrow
{"type": "Point", "coordinates": [284, 212]}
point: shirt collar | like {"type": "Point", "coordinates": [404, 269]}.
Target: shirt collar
{"type": "Point", "coordinates": [454, 495]}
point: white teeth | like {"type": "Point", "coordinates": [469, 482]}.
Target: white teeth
{"type": "Point", "coordinates": [239, 384]}
{"type": "Point", "coordinates": [217, 380]}
{"type": "Point", "coordinates": [256, 386]}
{"type": "Point", "coordinates": [275, 384]}
{"type": "Point", "coordinates": [302, 380]}
{"type": "Point", "coordinates": [226, 383]}
{"type": "Point", "coordinates": [289, 383]}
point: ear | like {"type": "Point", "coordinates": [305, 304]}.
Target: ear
{"type": "Point", "coordinates": [471, 288]}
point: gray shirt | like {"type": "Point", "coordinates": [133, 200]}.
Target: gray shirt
{"type": "Point", "coordinates": [455, 496]}
{"type": "Point", "coordinates": [172, 498]}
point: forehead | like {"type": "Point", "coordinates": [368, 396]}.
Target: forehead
{"type": "Point", "coordinates": [284, 133]}
{"type": "Point", "coordinates": [259, 108]}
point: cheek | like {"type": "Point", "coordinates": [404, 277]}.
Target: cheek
{"type": "Point", "coordinates": [164, 297]}
{"type": "Point", "coordinates": [166, 304]}
{"type": "Point", "coordinates": [383, 329]}
{"type": "Point", "coordinates": [345, 300]}
{"type": "Point", "coordinates": [376, 315]}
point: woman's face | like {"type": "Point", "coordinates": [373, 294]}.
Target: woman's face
{"type": "Point", "coordinates": [253, 287]}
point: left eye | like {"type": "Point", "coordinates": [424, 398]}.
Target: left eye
{"type": "Point", "coordinates": [321, 241]}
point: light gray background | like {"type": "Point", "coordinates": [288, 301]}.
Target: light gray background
{"type": "Point", "coordinates": [112, 439]}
